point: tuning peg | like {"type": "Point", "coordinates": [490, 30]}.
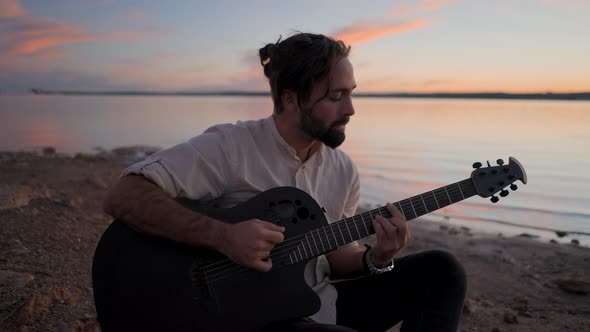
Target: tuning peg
{"type": "Point", "coordinates": [500, 162]}
{"type": "Point", "coordinates": [495, 199]}
{"type": "Point", "coordinates": [504, 193]}
{"type": "Point", "coordinates": [476, 165]}
{"type": "Point", "coordinates": [513, 187]}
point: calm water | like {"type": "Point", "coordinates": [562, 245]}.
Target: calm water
{"type": "Point", "coordinates": [402, 147]}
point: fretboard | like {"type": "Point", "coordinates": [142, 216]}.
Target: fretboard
{"type": "Point", "coordinates": [330, 237]}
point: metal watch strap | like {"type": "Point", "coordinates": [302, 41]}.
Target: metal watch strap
{"type": "Point", "coordinates": [370, 266]}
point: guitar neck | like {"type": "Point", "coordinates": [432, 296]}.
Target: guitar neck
{"type": "Point", "coordinates": [330, 237]}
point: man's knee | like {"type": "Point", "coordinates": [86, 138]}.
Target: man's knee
{"type": "Point", "coordinates": [445, 267]}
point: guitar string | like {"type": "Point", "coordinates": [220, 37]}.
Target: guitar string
{"type": "Point", "coordinates": [241, 268]}
{"type": "Point", "coordinates": [406, 201]}
{"type": "Point", "coordinates": [405, 204]}
{"type": "Point", "coordinates": [296, 240]}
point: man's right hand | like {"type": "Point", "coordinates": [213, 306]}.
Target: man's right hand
{"type": "Point", "coordinates": [249, 243]}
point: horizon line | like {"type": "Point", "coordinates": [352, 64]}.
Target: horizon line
{"type": "Point", "coordinates": [483, 95]}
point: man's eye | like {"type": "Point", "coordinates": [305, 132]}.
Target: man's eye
{"type": "Point", "coordinates": [336, 95]}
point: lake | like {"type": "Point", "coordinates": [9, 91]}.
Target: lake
{"type": "Point", "coordinates": [402, 146]}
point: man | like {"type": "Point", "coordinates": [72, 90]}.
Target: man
{"type": "Point", "coordinates": [311, 80]}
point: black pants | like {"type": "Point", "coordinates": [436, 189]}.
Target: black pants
{"type": "Point", "coordinates": [425, 290]}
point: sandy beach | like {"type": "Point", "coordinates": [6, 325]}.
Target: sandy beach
{"type": "Point", "coordinates": [51, 220]}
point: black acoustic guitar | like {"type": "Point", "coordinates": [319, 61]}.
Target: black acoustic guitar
{"type": "Point", "coordinates": [143, 283]}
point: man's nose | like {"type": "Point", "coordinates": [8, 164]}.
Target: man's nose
{"type": "Point", "coordinates": [349, 111]}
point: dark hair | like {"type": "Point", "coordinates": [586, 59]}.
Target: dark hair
{"type": "Point", "coordinates": [298, 62]}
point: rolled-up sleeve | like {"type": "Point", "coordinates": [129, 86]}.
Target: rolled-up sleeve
{"type": "Point", "coordinates": [199, 168]}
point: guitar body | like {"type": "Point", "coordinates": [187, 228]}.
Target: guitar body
{"type": "Point", "coordinates": [147, 283]}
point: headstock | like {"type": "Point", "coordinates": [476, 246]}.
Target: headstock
{"type": "Point", "coordinates": [493, 179]}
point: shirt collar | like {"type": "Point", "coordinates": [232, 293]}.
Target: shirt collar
{"type": "Point", "coordinates": [314, 161]}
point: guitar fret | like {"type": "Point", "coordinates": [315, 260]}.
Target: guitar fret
{"type": "Point", "coordinates": [436, 200]}
{"type": "Point", "coordinates": [468, 191]}
{"type": "Point", "coordinates": [322, 241]}
{"type": "Point", "coordinates": [305, 250]}
{"type": "Point", "coordinates": [420, 209]}
{"type": "Point", "coordinates": [341, 234]}
{"type": "Point", "coordinates": [327, 238]}
{"type": "Point", "coordinates": [409, 208]}
{"type": "Point", "coordinates": [415, 214]}
{"type": "Point", "coordinates": [461, 191]}
{"type": "Point", "coordinates": [300, 255]}
{"type": "Point", "coordinates": [399, 207]}
{"type": "Point", "coordinates": [316, 243]}
{"type": "Point", "coordinates": [349, 233]}
{"type": "Point", "coordinates": [355, 226]}
{"type": "Point", "coordinates": [309, 244]}
{"type": "Point", "coordinates": [335, 240]}
{"type": "Point", "coordinates": [424, 204]}
{"type": "Point", "coordinates": [364, 224]}
{"type": "Point", "coordinates": [450, 200]}
{"type": "Point", "coordinates": [444, 196]}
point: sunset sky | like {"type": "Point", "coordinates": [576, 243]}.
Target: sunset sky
{"type": "Point", "coordinates": [397, 46]}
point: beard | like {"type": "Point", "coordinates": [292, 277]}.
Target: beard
{"type": "Point", "coordinates": [329, 135]}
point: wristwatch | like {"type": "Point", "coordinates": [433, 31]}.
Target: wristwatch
{"type": "Point", "coordinates": [370, 266]}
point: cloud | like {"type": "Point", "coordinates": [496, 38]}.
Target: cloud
{"type": "Point", "coordinates": [370, 29]}
{"type": "Point", "coordinates": [29, 35]}
{"type": "Point", "coordinates": [420, 7]}
{"type": "Point", "coordinates": [10, 8]}
{"type": "Point", "coordinates": [364, 31]}
{"type": "Point", "coordinates": [33, 36]}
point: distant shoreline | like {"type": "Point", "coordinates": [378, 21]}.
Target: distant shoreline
{"type": "Point", "coordinates": [482, 95]}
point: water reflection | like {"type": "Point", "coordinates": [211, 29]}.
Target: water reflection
{"type": "Point", "coordinates": [402, 147]}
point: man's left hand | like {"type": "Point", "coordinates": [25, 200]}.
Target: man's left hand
{"type": "Point", "coordinates": [392, 236]}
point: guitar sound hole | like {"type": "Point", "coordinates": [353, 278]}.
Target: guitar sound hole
{"type": "Point", "coordinates": [285, 209]}
{"type": "Point", "coordinates": [302, 213]}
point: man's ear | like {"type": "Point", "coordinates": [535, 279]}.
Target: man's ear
{"type": "Point", "coordinates": [289, 99]}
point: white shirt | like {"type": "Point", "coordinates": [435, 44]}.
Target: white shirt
{"type": "Point", "coordinates": [233, 163]}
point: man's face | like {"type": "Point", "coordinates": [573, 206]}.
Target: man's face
{"type": "Point", "coordinates": [324, 117]}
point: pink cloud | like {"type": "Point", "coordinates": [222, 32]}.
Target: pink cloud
{"type": "Point", "coordinates": [364, 31]}
{"type": "Point", "coordinates": [371, 29]}
{"type": "Point", "coordinates": [28, 35]}
{"type": "Point", "coordinates": [10, 8]}
{"type": "Point", "coordinates": [34, 36]}
{"type": "Point", "coordinates": [420, 7]}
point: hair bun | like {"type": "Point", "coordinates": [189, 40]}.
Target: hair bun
{"type": "Point", "coordinates": [266, 53]}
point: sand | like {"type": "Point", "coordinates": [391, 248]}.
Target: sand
{"type": "Point", "coordinates": [51, 220]}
